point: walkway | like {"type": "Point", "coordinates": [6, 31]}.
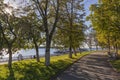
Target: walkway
{"type": "Point", "coordinates": [92, 67]}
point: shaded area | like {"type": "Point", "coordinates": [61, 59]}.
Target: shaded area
{"type": "Point", "coordinates": [38, 71]}
{"type": "Point", "coordinates": [92, 67]}
{"type": "Point", "coordinates": [11, 74]}
{"type": "Point", "coordinates": [32, 70]}
{"type": "Point", "coordinates": [116, 64]}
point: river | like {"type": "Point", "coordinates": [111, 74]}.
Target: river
{"type": "Point", "coordinates": [29, 52]}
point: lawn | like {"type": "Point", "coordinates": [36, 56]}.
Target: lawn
{"type": "Point", "coordinates": [116, 63]}
{"type": "Point", "coordinates": [32, 70]}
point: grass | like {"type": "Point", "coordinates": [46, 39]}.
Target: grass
{"type": "Point", "coordinates": [116, 63]}
{"type": "Point", "coordinates": [32, 70]}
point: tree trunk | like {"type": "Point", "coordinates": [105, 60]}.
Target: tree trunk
{"type": "Point", "coordinates": [75, 52]}
{"type": "Point", "coordinates": [37, 54]}
{"type": "Point", "coordinates": [116, 47]}
{"type": "Point", "coordinates": [70, 41]}
{"type": "Point", "coordinates": [70, 46]}
{"type": "Point", "coordinates": [71, 25]}
{"type": "Point", "coordinates": [37, 51]}
{"type": "Point", "coordinates": [96, 47]}
{"type": "Point", "coordinates": [80, 50]}
{"type": "Point", "coordinates": [109, 44]}
{"type": "Point", "coordinates": [10, 58]}
{"type": "Point", "coordinates": [70, 52]}
{"type": "Point", "coordinates": [47, 51]}
{"type": "Point", "coordinates": [116, 50]}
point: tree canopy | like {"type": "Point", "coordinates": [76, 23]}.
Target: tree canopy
{"type": "Point", "coordinates": [105, 20]}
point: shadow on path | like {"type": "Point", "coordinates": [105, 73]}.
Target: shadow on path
{"type": "Point", "coordinates": [92, 67]}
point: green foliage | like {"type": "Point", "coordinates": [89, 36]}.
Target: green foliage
{"type": "Point", "coordinates": [116, 64]}
{"type": "Point", "coordinates": [61, 38]}
{"type": "Point", "coordinates": [30, 31]}
{"type": "Point", "coordinates": [105, 20]}
{"type": "Point", "coordinates": [71, 24]}
{"type": "Point", "coordinates": [32, 70]}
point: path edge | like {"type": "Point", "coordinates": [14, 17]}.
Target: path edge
{"type": "Point", "coordinates": [61, 71]}
{"type": "Point", "coordinates": [113, 67]}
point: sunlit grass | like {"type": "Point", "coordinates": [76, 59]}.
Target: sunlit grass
{"type": "Point", "coordinates": [32, 70]}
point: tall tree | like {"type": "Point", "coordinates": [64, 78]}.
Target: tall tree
{"type": "Point", "coordinates": [105, 20]}
{"type": "Point", "coordinates": [61, 38]}
{"type": "Point", "coordinates": [31, 31]}
{"type": "Point", "coordinates": [72, 13]}
{"type": "Point", "coordinates": [8, 29]}
{"type": "Point", "coordinates": [48, 11]}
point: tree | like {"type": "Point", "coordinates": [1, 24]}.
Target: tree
{"type": "Point", "coordinates": [8, 30]}
{"type": "Point", "coordinates": [48, 11]}
{"type": "Point", "coordinates": [105, 20]}
{"type": "Point", "coordinates": [72, 13]}
{"type": "Point", "coordinates": [61, 38]}
{"type": "Point", "coordinates": [30, 28]}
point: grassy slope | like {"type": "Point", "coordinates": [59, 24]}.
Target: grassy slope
{"type": "Point", "coordinates": [32, 70]}
{"type": "Point", "coordinates": [116, 63]}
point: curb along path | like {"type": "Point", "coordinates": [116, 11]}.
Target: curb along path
{"type": "Point", "coordinates": [91, 67]}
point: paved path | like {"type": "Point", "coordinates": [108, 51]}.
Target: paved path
{"type": "Point", "coordinates": [92, 67]}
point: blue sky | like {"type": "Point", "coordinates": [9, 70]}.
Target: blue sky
{"type": "Point", "coordinates": [87, 4]}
